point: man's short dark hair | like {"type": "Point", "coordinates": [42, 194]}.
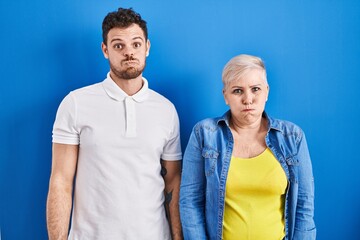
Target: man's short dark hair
{"type": "Point", "coordinates": [122, 18]}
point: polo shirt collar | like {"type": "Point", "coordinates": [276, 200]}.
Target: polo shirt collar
{"type": "Point", "coordinates": [115, 92]}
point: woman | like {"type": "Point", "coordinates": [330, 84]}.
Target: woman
{"type": "Point", "coordinates": [247, 175]}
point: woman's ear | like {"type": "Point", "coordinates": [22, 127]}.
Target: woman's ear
{"type": "Point", "coordinates": [224, 94]}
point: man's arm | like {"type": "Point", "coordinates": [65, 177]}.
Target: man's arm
{"type": "Point", "coordinates": [59, 200]}
{"type": "Point", "coordinates": [171, 172]}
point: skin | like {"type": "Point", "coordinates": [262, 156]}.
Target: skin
{"type": "Point", "coordinates": [60, 190]}
{"type": "Point", "coordinates": [171, 174]}
{"type": "Point", "coordinates": [246, 98]}
{"type": "Point", "coordinates": [126, 49]}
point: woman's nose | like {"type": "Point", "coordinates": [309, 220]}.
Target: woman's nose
{"type": "Point", "coordinates": [248, 99]}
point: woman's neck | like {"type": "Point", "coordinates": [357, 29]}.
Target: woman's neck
{"type": "Point", "coordinates": [249, 140]}
{"type": "Point", "coordinates": [248, 129]}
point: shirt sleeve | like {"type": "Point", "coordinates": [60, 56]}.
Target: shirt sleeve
{"type": "Point", "coordinates": [64, 129]}
{"type": "Point", "coordinates": [304, 219]}
{"type": "Point", "coordinates": [193, 189]}
{"type": "Point", "coordinates": [172, 148]}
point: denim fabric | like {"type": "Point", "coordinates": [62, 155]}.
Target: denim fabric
{"type": "Point", "coordinates": [205, 167]}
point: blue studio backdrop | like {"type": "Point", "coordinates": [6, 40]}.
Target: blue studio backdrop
{"type": "Point", "coordinates": [311, 49]}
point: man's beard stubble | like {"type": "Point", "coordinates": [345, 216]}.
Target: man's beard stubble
{"type": "Point", "coordinates": [128, 73]}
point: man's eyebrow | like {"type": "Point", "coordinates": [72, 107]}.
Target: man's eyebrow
{"type": "Point", "coordinates": [119, 39]}
{"type": "Point", "coordinates": [116, 39]}
{"type": "Point", "coordinates": [135, 38]}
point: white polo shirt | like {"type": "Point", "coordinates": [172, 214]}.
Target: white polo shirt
{"type": "Point", "coordinates": [118, 189]}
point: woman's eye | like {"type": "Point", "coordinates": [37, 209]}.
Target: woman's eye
{"type": "Point", "coordinates": [237, 91]}
{"type": "Point", "coordinates": [255, 89]}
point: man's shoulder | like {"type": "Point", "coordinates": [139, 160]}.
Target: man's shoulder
{"type": "Point", "coordinates": [93, 88]}
{"type": "Point", "coordinates": [157, 97]}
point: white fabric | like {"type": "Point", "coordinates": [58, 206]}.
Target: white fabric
{"type": "Point", "coordinates": [119, 189]}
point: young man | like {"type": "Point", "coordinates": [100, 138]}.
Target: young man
{"type": "Point", "coordinates": [120, 141]}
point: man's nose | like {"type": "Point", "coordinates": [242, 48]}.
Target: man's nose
{"type": "Point", "coordinates": [128, 54]}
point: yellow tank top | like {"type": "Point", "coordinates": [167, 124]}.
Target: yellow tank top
{"type": "Point", "coordinates": [255, 199]}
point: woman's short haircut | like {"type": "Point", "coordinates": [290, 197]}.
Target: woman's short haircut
{"type": "Point", "coordinates": [240, 65]}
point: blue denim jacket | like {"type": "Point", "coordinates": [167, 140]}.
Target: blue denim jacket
{"type": "Point", "coordinates": [205, 168]}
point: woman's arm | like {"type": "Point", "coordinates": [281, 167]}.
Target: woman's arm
{"type": "Point", "coordinates": [304, 219]}
{"type": "Point", "coordinates": [192, 191]}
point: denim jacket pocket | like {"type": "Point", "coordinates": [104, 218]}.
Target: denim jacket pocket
{"type": "Point", "coordinates": [210, 157]}
{"type": "Point", "coordinates": [292, 162]}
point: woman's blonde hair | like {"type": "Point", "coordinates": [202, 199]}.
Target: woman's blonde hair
{"type": "Point", "coordinates": [240, 65]}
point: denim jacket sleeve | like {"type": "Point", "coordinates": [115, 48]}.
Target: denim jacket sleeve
{"type": "Point", "coordinates": [192, 190]}
{"type": "Point", "coordinates": [304, 228]}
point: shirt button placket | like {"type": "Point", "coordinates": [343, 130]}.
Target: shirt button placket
{"type": "Point", "coordinates": [130, 117]}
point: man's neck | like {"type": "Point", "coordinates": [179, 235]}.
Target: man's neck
{"type": "Point", "coordinates": [129, 86]}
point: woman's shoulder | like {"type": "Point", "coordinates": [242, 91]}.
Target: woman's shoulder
{"type": "Point", "coordinates": [284, 126]}
{"type": "Point", "coordinates": [208, 126]}
{"type": "Point", "coordinates": [207, 123]}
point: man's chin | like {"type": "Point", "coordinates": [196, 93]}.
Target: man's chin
{"type": "Point", "coordinates": [131, 73]}
{"type": "Point", "coordinates": [128, 73]}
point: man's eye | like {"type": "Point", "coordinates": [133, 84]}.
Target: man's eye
{"type": "Point", "coordinates": [255, 89]}
{"type": "Point", "coordinates": [118, 46]}
{"type": "Point", "coordinates": [137, 45]}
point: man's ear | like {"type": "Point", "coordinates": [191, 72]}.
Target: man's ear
{"type": "Point", "coordinates": [104, 50]}
{"type": "Point", "coordinates": [148, 47]}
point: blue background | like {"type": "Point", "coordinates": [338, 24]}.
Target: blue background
{"type": "Point", "coordinates": [311, 49]}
